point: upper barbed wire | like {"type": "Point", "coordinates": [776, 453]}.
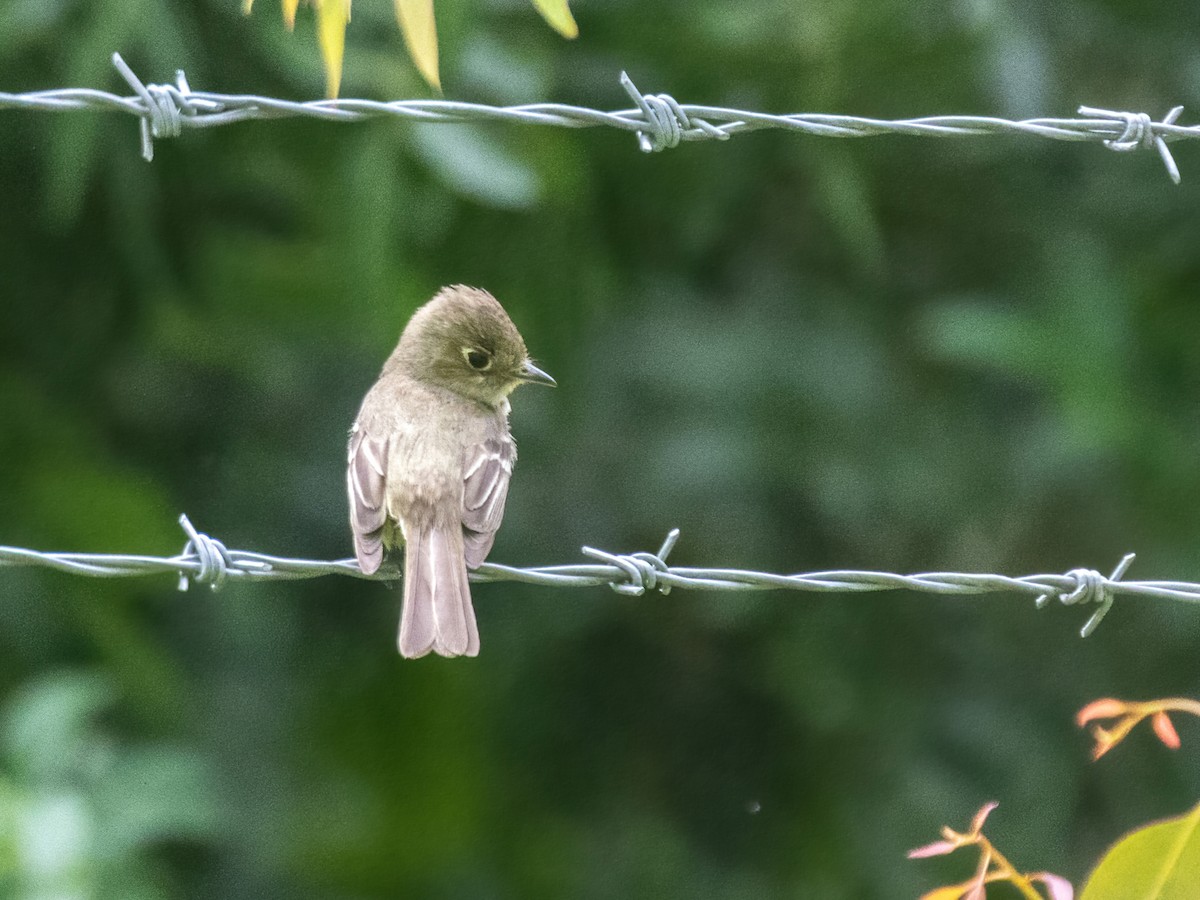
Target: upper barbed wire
{"type": "Point", "coordinates": [658, 120]}
{"type": "Point", "coordinates": [205, 560]}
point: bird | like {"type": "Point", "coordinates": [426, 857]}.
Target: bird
{"type": "Point", "coordinates": [429, 460]}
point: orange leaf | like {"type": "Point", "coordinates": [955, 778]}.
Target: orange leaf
{"type": "Point", "coordinates": [981, 817]}
{"type": "Point", "coordinates": [937, 848]}
{"type": "Point", "coordinates": [1104, 742]}
{"type": "Point", "coordinates": [1106, 708]}
{"type": "Point", "coordinates": [420, 36]}
{"type": "Point", "coordinates": [1057, 886]}
{"type": "Point", "coordinates": [1165, 730]}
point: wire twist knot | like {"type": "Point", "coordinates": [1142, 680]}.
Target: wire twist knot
{"type": "Point", "coordinates": [1090, 587]}
{"type": "Point", "coordinates": [166, 119]}
{"type": "Point", "coordinates": [1140, 132]}
{"type": "Point", "coordinates": [212, 555]}
{"type": "Point", "coordinates": [164, 105]}
{"type": "Point", "coordinates": [667, 122]}
{"type": "Point", "coordinates": [641, 569]}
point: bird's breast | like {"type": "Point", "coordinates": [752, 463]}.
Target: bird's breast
{"type": "Point", "coordinates": [430, 432]}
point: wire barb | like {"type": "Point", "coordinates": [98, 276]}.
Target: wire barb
{"type": "Point", "coordinates": [1140, 132]}
{"type": "Point", "coordinates": [641, 569]}
{"type": "Point", "coordinates": [163, 106]}
{"type": "Point", "coordinates": [666, 121]}
{"type": "Point", "coordinates": [1090, 587]}
{"type": "Point", "coordinates": [210, 554]}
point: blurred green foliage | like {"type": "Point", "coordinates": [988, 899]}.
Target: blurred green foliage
{"type": "Point", "coordinates": [79, 810]}
{"type": "Point", "coordinates": [893, 353]}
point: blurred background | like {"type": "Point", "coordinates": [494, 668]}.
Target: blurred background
{"type": "Point", "coordinates": [895, 353]}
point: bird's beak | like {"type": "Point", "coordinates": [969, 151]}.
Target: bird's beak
{"type": "Point", "coordinates": [531, 373]}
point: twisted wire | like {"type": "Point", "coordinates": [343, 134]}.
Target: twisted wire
{"type": "Point", "coordinates": [657, 120]}
{"type": "Point", "coordinates": [206, 561]}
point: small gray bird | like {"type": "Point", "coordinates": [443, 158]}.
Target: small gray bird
{"type": "Point", "coordinates": [430, 458]}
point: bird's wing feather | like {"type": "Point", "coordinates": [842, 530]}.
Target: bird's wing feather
{"type": "Point", "coordinates": [487, 469]}
{"type": "Point", "coordinates": [367, 487]}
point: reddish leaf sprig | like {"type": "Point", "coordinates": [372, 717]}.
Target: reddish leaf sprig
{"type": "Point", "coordinates": [993, 866]}
{"type": "Point", "coordinates": [1127, 715]}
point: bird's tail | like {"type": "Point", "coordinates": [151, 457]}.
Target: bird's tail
{"type": "Point", "coordinates": [437, 612]}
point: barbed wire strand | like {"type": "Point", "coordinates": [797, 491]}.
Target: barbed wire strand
{"type": "Point", "coordinates": [658, 120]}
{"type": "Point", "coordinates": [206, 561]}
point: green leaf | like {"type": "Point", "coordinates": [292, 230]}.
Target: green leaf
{"type": "Point", "coordinates": [47, 727]}
{"type": "Point", "coordinates": [559, 16]}
{"type": "Point", "coordinates": [420, 35]}
{"type": "Point", "coordinates": [1157, 862]}
{"type": "Point", "coordinates": [472, 163]}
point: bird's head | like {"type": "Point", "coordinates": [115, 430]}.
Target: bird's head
{"type": "Point", "coordinates": [463, 340]}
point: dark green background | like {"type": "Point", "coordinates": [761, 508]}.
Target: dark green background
{"type": "Point", "coordinates": [894, 353]}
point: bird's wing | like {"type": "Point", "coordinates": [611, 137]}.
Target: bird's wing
{"type": "Point", "coordinates": [486, 471]}
{"type": "Point", "coordinates": [366, 485]}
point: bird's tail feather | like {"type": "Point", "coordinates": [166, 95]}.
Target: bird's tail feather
{"type": "Point", "coordinates": [437, 612]}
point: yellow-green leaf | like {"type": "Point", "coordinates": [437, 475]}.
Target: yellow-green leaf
{"type": "Point", "coordinates": [1158, 862]}
{"type": "Point", "coordinates": [332, 17]}
{"type": "Point", "coordinates": [559, 16]}
{"type": "Point", "coordinates": [420, 34]}
{"type": "Point", "coordinates": [289, 12]}
{"type": "Point", "coordinates": [950, 892]}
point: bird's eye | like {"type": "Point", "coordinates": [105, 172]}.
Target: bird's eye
{"type": "Point", "coordinates": [477, 359]}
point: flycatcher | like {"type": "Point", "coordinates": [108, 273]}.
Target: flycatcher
{"type": "Point", "coordinates": [430, 458]}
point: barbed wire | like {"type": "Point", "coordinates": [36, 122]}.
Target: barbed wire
{"type": "Point", "coordinates": [206, 561]}
{"type": "Point", "coordinates": [658, 120]}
